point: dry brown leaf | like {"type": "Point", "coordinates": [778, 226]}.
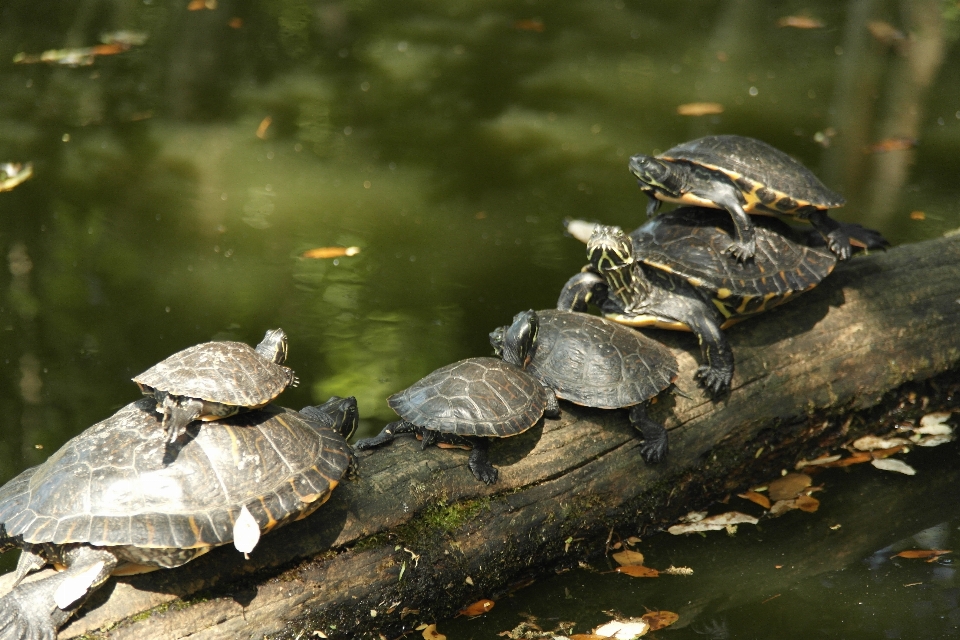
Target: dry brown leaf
{"type": "Point", "coordinates": [857, 458]}
{"type": "Point", "coordinates": [431, 633]}
{"type": "Point", "coordinates": [807, 503]}
{"type": "Point", "coordinates": [659, 619]}
{"type": "Point", "coordinates": [800, 22]}
{"type": "Point", "coordinates": [263, 126]}
{"type": "Point", "coordinates": [885, 33]}
{"type": "Point", "coordinates": [699, 108]}
{"type": "Point", "coordinates": [757, 498]}
{"type": "Point", "coordinates": [633, 540]}
{"type": "Point", "coordinates": [886, 453]}
{"type": "Point", "coordinates": [477, 608]}
{"type": "Point", "coordinates": [780, 507]}
{"type": "Point", "coordinates": [788, 486]}
{"type": "Point", "coordinates": [822, 460]}
{"type": "Point", "coordinates": [921, 553]}
{"type": "Point", "coordinates": [587, 636]}
{"type": "Point", "coordinates": [918, 215]}
{"type": "Point", "coordinates": [638, 571]}
{"type": "Point", "coordinates": [321, 253]}
{"type": "Point", "coordinates": [628, 557]}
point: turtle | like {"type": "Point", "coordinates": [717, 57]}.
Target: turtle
{"type": "Point", "coordinates": [111, 501]}
{"type": "Point", "coordinates": [672, 273]}
{"type": "Point", "coordinates": [465, 403]}
{"type": "Point", "coordinates": [215, 380]}
{"type": "Point", "coordinates": [741, 175]}
{"type": "Point", "coordinates": [593, 362]}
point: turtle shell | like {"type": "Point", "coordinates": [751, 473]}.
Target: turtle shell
{"type": "Point", "coordinates": [231, 373]}
{"type": "Point", "coordinates": [693, 242]}
{"type": "Point", "coordinates": [473, 397]}
{"type": "Point", "coordinates": [769, 179]}
{"type": "Point", "coordinates": [114, 485]}
{"type": "Point", "coordinates": [598, 363]}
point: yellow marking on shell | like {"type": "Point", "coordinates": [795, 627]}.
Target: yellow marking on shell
{"type": "Point", "coordinates": [234, 448]}
{"type": "Point", "coordinates": [732, 321]}
{"type": "Point", "coordinates": [314, 506]}
{"type": "Point", "coordinates": [193, 526]}
{"type": "Point", "coordinates": [724, 293]}
{"type": "Point", "coordinates": [648, 321]}
{"type": "Point", "coordinates": [722, 308]}
{"type": "Point", "coordinates": [743, 305]}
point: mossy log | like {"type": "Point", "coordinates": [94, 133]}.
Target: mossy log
{"type": "Point", "coordinates": [416, 537]}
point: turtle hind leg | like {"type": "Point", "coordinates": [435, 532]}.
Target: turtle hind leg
{"type": "Point", "coordinates": [835, 235]}
{"type": "Point", "coordinates": [655, 439]}
{"type": "Point", "coordinates": [34, 611]}
{"type": "Point", "coordinates": [388, 434]}
{"type": "Point", "coordinates": [177, 413]}
{"type": "Point", "coordinates": [27, 564]}
{"type": "Point", "coordinates": [479, 463]}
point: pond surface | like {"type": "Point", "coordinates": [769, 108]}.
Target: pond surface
{"type": "Point", "coordinates": [176, 184]}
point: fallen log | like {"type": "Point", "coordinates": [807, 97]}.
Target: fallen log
{"type": "Point", "coordinates": [416, 537]}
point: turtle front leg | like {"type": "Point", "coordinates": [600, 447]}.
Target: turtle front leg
{"type": "Point", "coordinates": [653, 205]}
{"type": "Point", "coordinates": [655, 440]}
{"type": "Point", "coordinates": [479, 462]}
{"type": "Point", "coordinates": [582, 289]}
{"type": "Point", "coordinates": [386, 435]}
{"type": "Point", "coordinates": [34, 611]}
{"type": "Point", "coordinates": [716, 373]}
{"type": "Point", "coordinates": [836, 237]}
{"type": "Point", "coordinates": [178, 412]}
{"type": "Point", "coordinates": [727, 197]}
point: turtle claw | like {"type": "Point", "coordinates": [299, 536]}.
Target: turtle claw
{"type": "Point", "coordinates": [839, 243]}
{"type": "Point", "coordinates": [743, 250]}
{"type": "Point", "coordinates": [654, 451]}
{"type": "Point", "coordinates": [715, 381]}
{"type": "Point", "coordinates": [485, 473]}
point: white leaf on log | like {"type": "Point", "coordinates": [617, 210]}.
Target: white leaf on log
{"type": "Point", "coordinates": [892, 464]}
{"type": "Point", "coordinates": [75, 587]}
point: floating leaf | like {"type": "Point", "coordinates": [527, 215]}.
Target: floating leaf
{"type": "Point", "coordinates": [321, 253]}
{"type": "Point", "coordinates": [756, 498]}
{"type": "Point", "coordinates": [263, 126]}
{"type": "Point", "coordinates": [587, 636]}
{"type": "Point", "coordinates": [822, 460]}
{"type": "Point", "coordinates": [580, 229]}
{"type": "Point", "coordinates": [638, 571]}
{"type": "Point", "coordinates": [529, 25]}
{"type": "Point", "coordinates": [628, 557]}
{"type": "Point", "coordinates": [807, 503]}
{"type": "Point", "coordinates": [918, 215]}
{"type": "Point", "coordinates": [870, 443]}
{"type": "Point", "coordinates": [622, 629]}
{"type": "Point", "coordinates": [199, 5]}
{"type": "Point", "coordinates": [788, 486]}
{"type": "Point", "coordinates": [477, 608]}
{"type": "Point", "coordinates": [677, 571]}
{"type": "Point", "coordinates": [659, 619]}
{"type": "Point", "coordinates": [934, 441]}
{"type": "Point", "coordinates": [76, 586]}
{"type": "Point", "coordinates": [885, 33]}
{"type": "Point", "coordinates": [12, 174]}
{"type": "Point", "coordinates": [713, 523]}
{"type": "Point", "coordinates": [430, 633]}
{"type": "Point", "coordinates": [800, 22]}
{"type": "Point", "coordinates": [892, 464]}
{"type": "Point", "coordinates": [886, 453]}
{"type": "Point", "coordinates": [892, 144]}
{"type": "Point", "coordinates": [632, 540]}
{"type": "Point", "coordinates": [246, 532]}
{"type": "Point", "coordinates": [857, 458]}
{"type": "Point", "coordinates": [921, 553]}
{"type": "Point", "coordinates": [700, 109]}
{"type": "Point", "coordinates": [934, 424]}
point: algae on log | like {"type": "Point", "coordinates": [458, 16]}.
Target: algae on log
{"type": "Point", "coordinates": [397, 546]}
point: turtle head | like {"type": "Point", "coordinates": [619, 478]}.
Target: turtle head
{"type": "Point", "coordinates": [653, 174]}
{"type": "Point", "coordinates": [518, 339]}
{"type": "Point", "coordinates": [609, 249]}
{"type": "Point", "coordinates": [273, 347]}
{"type": "Point", "coordinates": [340, 414]}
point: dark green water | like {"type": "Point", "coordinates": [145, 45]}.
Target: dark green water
{"type": "Point", "coordinates": [447, 140]}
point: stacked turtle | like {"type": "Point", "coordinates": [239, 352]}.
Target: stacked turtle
{"type": "Point", "coordinates": [675, 272]}
{"type": "Point", "coordinates": [150, 488]}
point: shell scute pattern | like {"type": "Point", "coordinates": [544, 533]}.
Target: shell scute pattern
{"type": "Point", "coordinates": [473, 397]}
{"type": "Point", "coordinates": [112, 486]}
{"type": "Point", "coordinates": [598, 363]}
{"type": "Point", "coordinates": [231, 373]}
{"type": "Point", "coordinates": [694, 245]}
{"type": "Point", "coordinates": [754, 160]}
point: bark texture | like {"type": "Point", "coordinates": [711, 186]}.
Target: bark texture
{"type": "Point", "coordinates": [403, 544]}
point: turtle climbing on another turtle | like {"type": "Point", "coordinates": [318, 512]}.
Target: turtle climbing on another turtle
{"type": "Point", "coordinates": [592, 362]}
{"type": "Point", "coordinates": [466, 403]}
{"type": "Point", "coordinates": [110, 501]}
{"type": "Point", "coordinates": [672, 273]}
{"type": "Point", "coordinates": [214, 380]}
{"type": "Point", "coordinates": [741, 175]}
